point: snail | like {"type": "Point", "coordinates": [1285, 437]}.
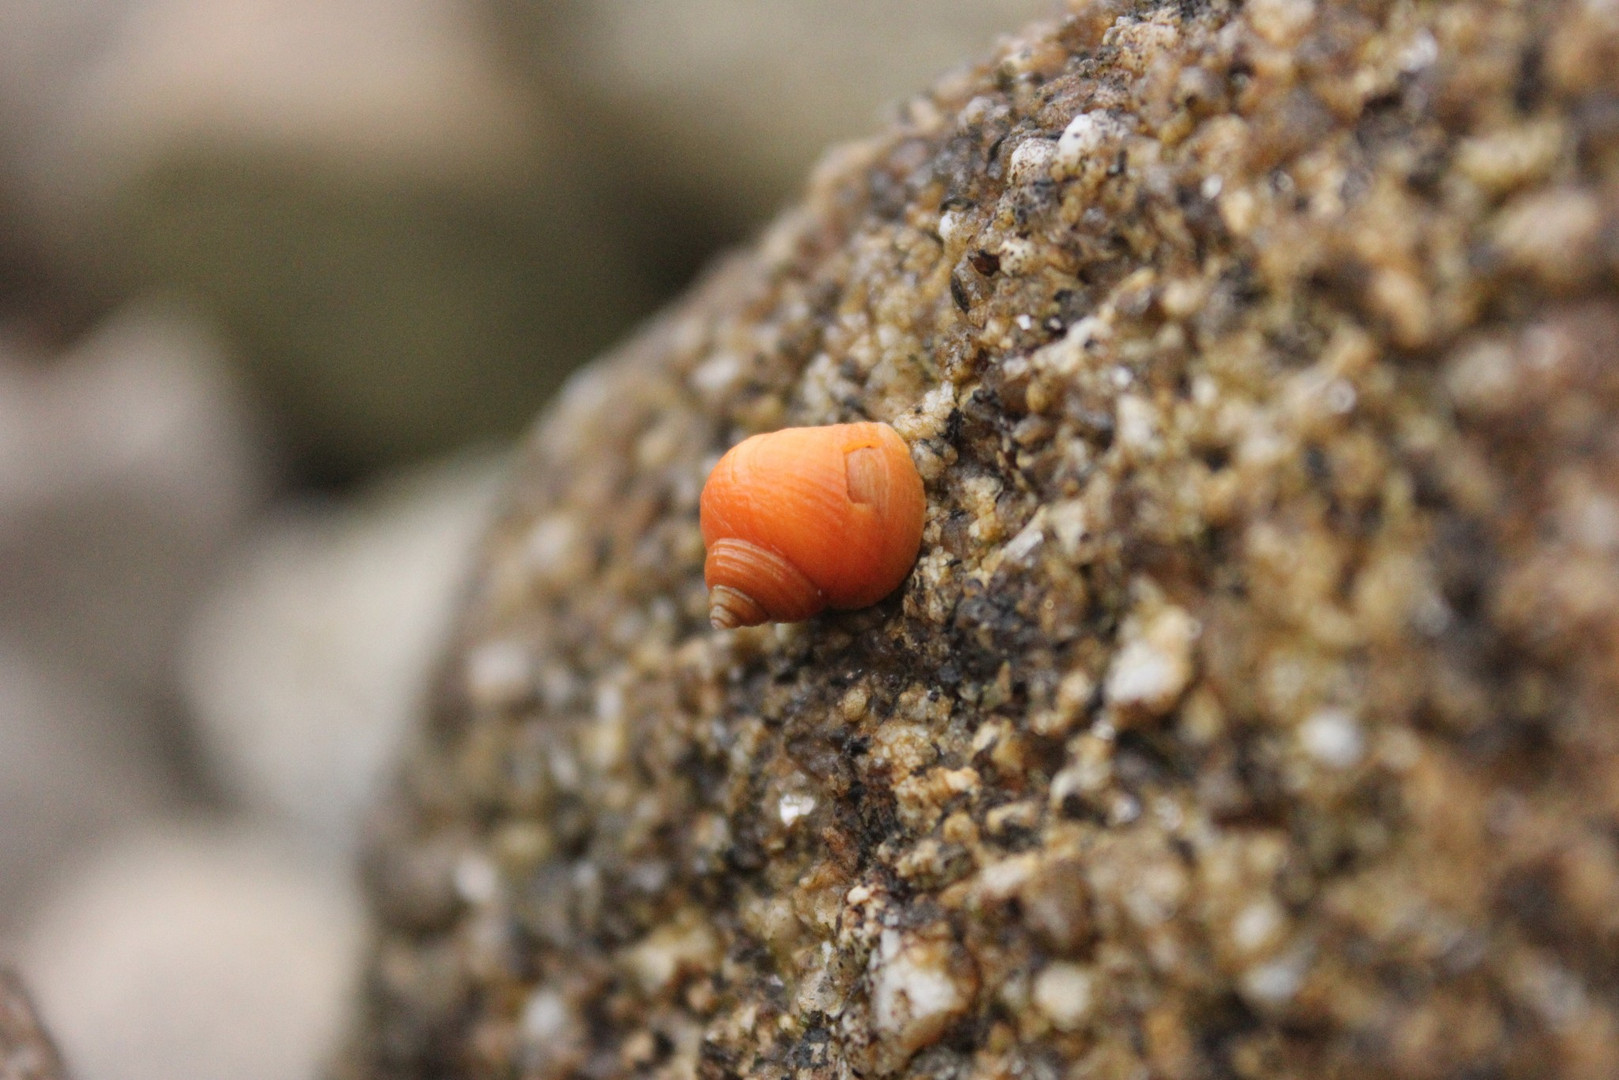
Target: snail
{"type": "Point", "coordinates": [804, 519]}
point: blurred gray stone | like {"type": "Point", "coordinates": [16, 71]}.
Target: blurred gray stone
{"type": "Point", "coordinates": [396, 85]}
{"type": "Point", "coordinates": [195, 953]}
{"type": "Point", "coordinates": [309, 659]}
{"type": "Point", "coordinates": [26, 1049]}
{"type": "Point", "coordinates": [124, 467]}
{"type": "Point", "coordinates": [43, 45]}
{"type": "Point", "coordinates": [74, 766]}
{"type": "Point", "coordinates": [406, 249]}
{"type": "Point", "coordinates": [730, 101]}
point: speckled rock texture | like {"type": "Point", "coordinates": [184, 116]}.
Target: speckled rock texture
{"type": "Point", "coordinates": [1251, 709]}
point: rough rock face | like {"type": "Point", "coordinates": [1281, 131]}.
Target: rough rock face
{"type": "Point", "coordinates": [1250, 711]}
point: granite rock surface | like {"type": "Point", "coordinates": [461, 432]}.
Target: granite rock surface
{"type": "Point", "coordinates": [1249, 711]}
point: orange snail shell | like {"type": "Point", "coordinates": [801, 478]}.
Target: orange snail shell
{"type": "Point", "coordinates": [804, 519]}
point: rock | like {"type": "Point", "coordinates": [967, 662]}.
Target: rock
{"type": "Point", "coordinates": [1065, 992]}
{"type": "Point", "coordinates": [404, 249]}
{"type": "Point", "coordinates": [309, 659]}
{"type": "Point", "coordinates": [26, 1049]}
{"type": "Point", "coordinates": [919, 989]}
{"type": "Point", "coordinates": [1301, 688]}
{"type": "Point", "coordinates": [1154, 662]}
{"type": "Point", "coordinates": [74, 767]}
{"type": "Point", "coordinates": [125, 465]}
{"type": "Point", "coordinates": [40, 296]}
{"type": "Point", "coordinates": [191, 953]}
{"type": "Point", "coordinates": [722, 106]}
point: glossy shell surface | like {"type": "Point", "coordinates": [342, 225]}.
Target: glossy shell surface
{"type": "Point", "coordinates": [803, 519]}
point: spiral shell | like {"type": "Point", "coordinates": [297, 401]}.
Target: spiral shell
{"type": "Point", "coordinates": [804, 519]}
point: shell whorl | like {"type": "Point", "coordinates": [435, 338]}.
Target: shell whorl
{"type": "Point", "coordinates": [760, 586]}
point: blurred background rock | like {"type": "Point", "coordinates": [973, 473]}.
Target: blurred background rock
{"type": "Point", "coordinates": [278, 281]}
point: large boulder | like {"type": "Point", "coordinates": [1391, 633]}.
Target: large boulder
{"type": "Point", "coordinates": [1249, 711]}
